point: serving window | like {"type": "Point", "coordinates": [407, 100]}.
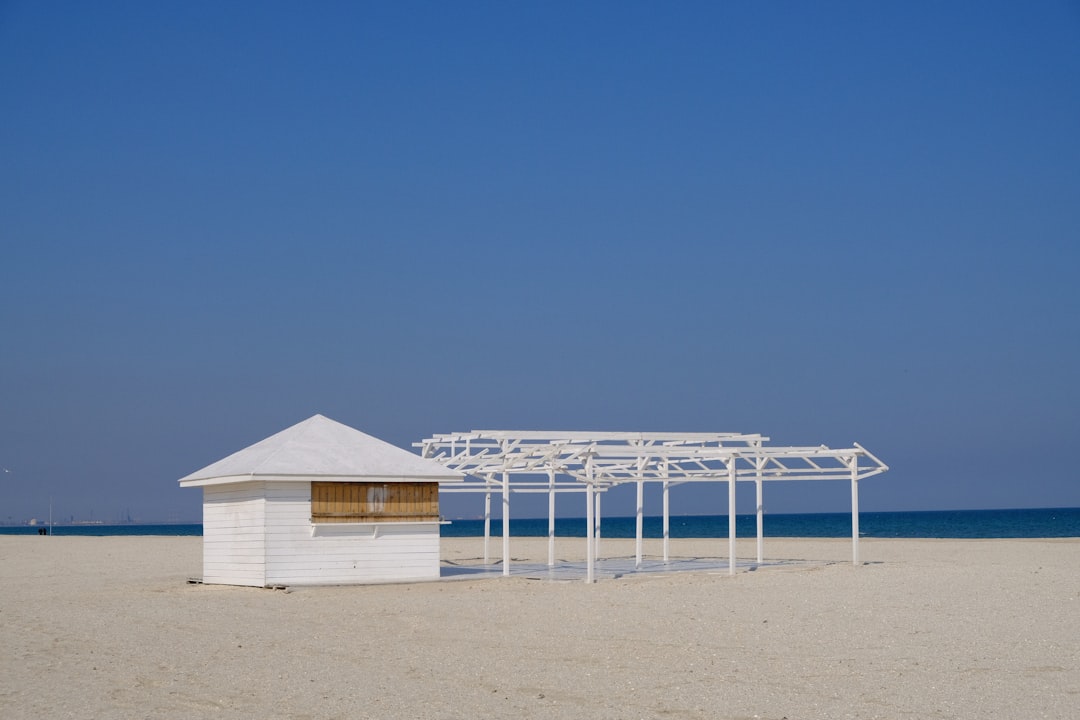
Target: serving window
{"type": "Point", "coordinates": [337, 502]}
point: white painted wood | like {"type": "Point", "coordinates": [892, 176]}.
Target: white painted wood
{"type": "Point", "coordinates": [593, 462]}
{"type": "Point", "coordinates": [551, 517]}
{"type": "Point", "coordinates": [260, 534]}
{"type": "Point", "coordinates": [590, 548]}
{"type": "Point", "coordinates": [506, 525]}
{"type": "Point", "coordinates": [340, 553]}
{"type": "Point", "coordinates": [321, 448]}
{"type": "Point", "coordinates": [625, 457]}
{"type": "Point", "coordinates": [487, 528]}
{"type": "Point", "coordinates": [760, 510]}
{"type": "Point", "coordinates": [731, 516]}
{"type": "Point", "coordinates": [257, 527]}
{"type": "Point", "coordinates": [233, 535]}
{"type": "Point", "coordinates": [640, 523]}
{"type": "Point", "coordinates": [667, 520]}
{"type": "Point", "coordinates": [596, 514]}
{"type": "Point", "coordinates": [854, 512]}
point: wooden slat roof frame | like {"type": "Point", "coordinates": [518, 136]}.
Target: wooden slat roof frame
{"type": "Point", "coordinates": [593, 462]}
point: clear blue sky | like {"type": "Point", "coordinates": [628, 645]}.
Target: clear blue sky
{"type": "Point", "coordinates": [824, 222]}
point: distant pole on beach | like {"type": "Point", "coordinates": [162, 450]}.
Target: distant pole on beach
{"type": "Point", "coordinates": [9, 516]}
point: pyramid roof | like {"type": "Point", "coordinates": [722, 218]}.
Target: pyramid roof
{"type": "Point", "coordinates": [325, 449]}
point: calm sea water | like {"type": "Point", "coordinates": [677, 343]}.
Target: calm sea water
{"type": "Point", "coordinates": [107, 530]}
{"type": "Point", "coordinates": [1053, 522]}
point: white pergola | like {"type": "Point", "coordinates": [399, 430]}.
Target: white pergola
{"type": "Point", "coordinates": [552, 462]}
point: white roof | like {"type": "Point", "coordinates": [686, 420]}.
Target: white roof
{"type": "Point", "coordinates": [321, 448]}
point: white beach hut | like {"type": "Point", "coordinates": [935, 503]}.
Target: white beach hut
{"type": "Point", "coordinates": [320, 503]}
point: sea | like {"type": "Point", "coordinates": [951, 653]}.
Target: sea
{"type": "Point", "coordinates": [1027, 523]}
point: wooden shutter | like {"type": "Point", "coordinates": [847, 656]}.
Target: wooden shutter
{"type": "Point", "coordinates": [335, 502]}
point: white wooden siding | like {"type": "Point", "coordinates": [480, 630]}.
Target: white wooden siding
{"type": "Point", "coordinates": [260, 533]}
{"type": "Point", "coordinates": [341, 554]}
{"type": "Point", "coordinates": [234, 534]}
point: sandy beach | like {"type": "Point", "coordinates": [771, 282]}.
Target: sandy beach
{"type": "Point", "coordinates": [110, 628]}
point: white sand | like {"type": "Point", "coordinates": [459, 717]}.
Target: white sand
{"type": "Point", "coordinates": [108, 628]}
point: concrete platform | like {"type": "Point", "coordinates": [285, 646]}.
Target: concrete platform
{"type": "Point", "coordinates": [607, 568]}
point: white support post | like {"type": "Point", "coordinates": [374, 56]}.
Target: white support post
{"type": "Point", "coordinates": [855, 510]}
{"type": "Point", "coordinates": [731, 515]}
{"type": "Point", "coordinates": [667, 522]}
{"type": "Point", "coordinates": [758, 482]}
{"type": "Point", "coordinates": [590, 549]}
{"type": "Point", "coordinates": [551, 518]}
{"type": "Point", "coordinates": [640, 522]}
{"type": "Point", "coordinates": [487, 527]}
{"type": "Point", "coordinates": [602, 460]}
{"type": "Point", "coordinates": [596, 534]}
{"type": "Point", "coordinates": [506, 523]}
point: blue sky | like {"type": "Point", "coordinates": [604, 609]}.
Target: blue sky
{"type": "Point", "coordinates": [824, 222]}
